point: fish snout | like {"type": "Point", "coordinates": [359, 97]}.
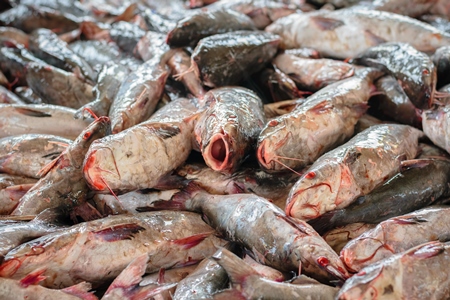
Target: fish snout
{"type": "Point", "coordinates": [264, 157]}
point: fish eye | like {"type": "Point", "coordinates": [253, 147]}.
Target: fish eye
{"type": "Point", "coordinates": [426, 72]}
{"type": "Point", "coordinates": [273, 123]}
{"type": "Point", "coordinates": [87, 135]}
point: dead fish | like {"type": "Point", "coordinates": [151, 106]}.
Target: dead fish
{"type": "Point", "coordinates": [367, 121]}
{"type": "Point", "coordinates": [136, 99]}
{"type": "Point", "coordinates": [170, 238]}
{"type": "Point", "coordinates": [400, 275]}
{"type": "Point", "coordinates": [39, 119]}
{"type": "Point", "coordinates": [263, 270]}
{"type": "Point", "coordinates": [14, 35]}
{"type": "Point", "coordinates": [246, 218]}
{"type": "Point", "coordinates": [405, 192]}
{"type": "Point", "coordinates": [108, 83]}
{"type": "Point", "coordinates": [273, 110]}
{"type": "Point", "coordinates": [27, 154]}
{"type": "Point", "coordinates": [296, 139]}
{"type": "Point", "coordinates": [441, 7]}
{"type": "Point", "coordinates": [157, 22]}
{"type": "Point", "coordinates": [62, 184]}
{"type": "Point", "coordinates": [439, 22]}
{"type": "Point", "coordinates": [226, 59]}
{"type": "Point", "coordinates": [151, 45]}
{"type": "Point", "coordinates": [27, 95]}
{"type": "Point", "coordinates": [3, 80]}
{"type": "Point", "coordinates": [303, 53]}
{"type": "Point", "coordinates": [126, 35]}
{"type": "Point", "coordinates": [153, 149]}
{"type": "Point", "coordinates": [279, 85]}
{"type": "Point", "coordinates": [413, 69]}
{"type": "Point", "coordinates": [396, 235]}
{"type": "Point", "coordinates": [414, 8]}
{"type": "Point", "coordinates": [58, 87]}
{"type": "Point", "coordinates": [250, 285]}
{"type": "Point", "coordinates": [441, 59]}
{"type": "Point", "coordinates": [11, 195]}
{"type": "Point", "coordinates": [7, 180]}
{"type": "Point", "coordinates": [436, 125]}
{"type": "Point", "coordinates": [347, 32]}
{"type": "Point", "coordinates": [338, 237]}
{"type": "Point", "coordinates": [8, 97]}
{"type": "Point", "coordinates": [203, 23]}
{"type": "Point", "coordinates": [229, 126]}
{"type": "Point", "coordinates": [354, 169]}
{"type": "Point", "coordinates": [313, 74]}
{"type": "Point", "coordinates": [179, 63]}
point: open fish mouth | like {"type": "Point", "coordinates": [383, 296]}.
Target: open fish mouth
{"type": "Point", "coordinates": [217, 153]}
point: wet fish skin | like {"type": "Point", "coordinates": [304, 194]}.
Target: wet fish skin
{"type": "Point", "coordinates": [27, 95]}
{"type": "Point", "coordinates": [225, 59]}
{"type": "Point", "coordinates": [151, 45]}
{"type": "Point", "coordinates": [27, 154]}
{"type": "Point", "coordinates": [7, 180]}
{"type": "Point", "coordinates": [400, 275]}
{"type": "Point", "coordinates": [436, 124]}
{"type": "Point", "coordinates": [126, 35]}
{"type": "Point", "coordinates": [340, 176]}
{"type": "Point", "coordinates": [8, 97]}
{"type": "Point", "coordinates": [15, 35]}
{"type": "Point", "coordinates": [414, 69]}
{"type": "Point", "coordinates": [338, 237]}
{"type": "Point", "coordinates": [170, 239]}
{"type": "Point", "coordinates": [11, 195]}
{"type": "Point", "coordinates": [62, 184]}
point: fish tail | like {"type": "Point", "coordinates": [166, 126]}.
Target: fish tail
{"type": "Point", "coordinates": [80, 290]}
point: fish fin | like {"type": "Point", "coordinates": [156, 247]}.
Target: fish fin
{"type": "Point", "coordinates": [131, 275]}
{"type": "Point", "coordinates": [33, 278]}
{"type": "Point", "coordinates": [360, 108]}
{"type": "Point", "coordinates": [80, 290]}
{"type": "Point", "coordinates": [164, 131]}
{"type": "Point", "coordinates": [51, 215]}
{"type": "Point", "coordinates": [32, 113]}
{"type": "Point", "coordinates": [427, 250]}
{"type": "Point", "coordinates": [149, 291]}
{"type": "Point", "coordinates": [322, 107]}
{"type": "Point", "coordinates": [171, 181]}
{"type": "Point", "coordinates": [191, 241]}
{"type": "Point", "coordinates": [161, 276]}
{"type": "Point", "coordinates": [85, 211]}
{"type": "Point", "coordinates": [326, 23]}
{"type": "Point", "coordinates": [237, 269]}
{"type": "Point", "coordinates": [373, 38]}
{"type": "Point", "coordinates": [409, 220]}
{"type": "Point", "coordinates": [229, 294]}
{"type": "Point", "coordinates": [414, 163]}
{"type": "Point", "coordinates": [118, 232]}
{"type": "Point", "coordinates": [45, 169]}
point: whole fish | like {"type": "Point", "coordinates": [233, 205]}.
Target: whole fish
{"type": "Point", "coordinates": [405, 192]}
{"type": "Point", "coordinates": [354, 169]}
{"type": "Point", "coordinates": [58, 87]}
{"type": "Point", "coordinates": [347, 32]}
{"type": "Point", "coordinates": [62, 184]}
{"type": "Point", "coordinates": [396, 235]}
{"type": "Point", "coordinates": [138, 157]}
{"type": "Point", "coordinates": [250, 285]}
{"type": "Point", "coordinates": [273, 238]}
{"type": "Point", "coordinates": [227, 58]}
{"type": "Point", "coordinates": [413, 69]}
{"type": "Point", "coordinates": [8, 97]}
{"type": "Point", "coordinates": [27, 154]}
{"type": "Point", "coordinates": [436, 125]}
{"type": "Point", "coordinates": [88, 251]}
{"type": "Point", "coordinates": [206, 23]}
{"type": "Point", "coordinates": [10, 197]}
{"type": "Point", "coordinates": [40, 119]}
{"type": "Point", "coordinates": [108, 83]}
{"type": "Point", "coordinates": [298, 138]}
{"type": "Point", "coordinates": [27, 95]}
{"type": "Point", "coordinates": [418, 273]}
{"type": "Point", "coordinates": [228, 128]}
{"type": "Point", "coordinates": [441, 59]}
{"type": "Point", "coordinates": [313, 74]}
{"type": "Point", "coordinates": [46, 45]}
{"type": "Point", "coordinates": [136, 99]}
{"type": "Point", "coordinates": [338, 237]}
{"type": "Point", "coordinates": [394, 103]}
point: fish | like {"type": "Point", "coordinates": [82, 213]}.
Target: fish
{"type": "Point", "coordinates": [345, 33]}
{"type": "Point", "coordinates": [413, 69]}
{"type": "Point", "coordinates": [397, 235]}
{"type": "Point", "coordinates": [151, 45]}
{"type": "Point", "coordinates": [250, 285]}
{"type": "Point", "coordinates": [260, 225]}
{"type": "Point", "coordinates": [227, 58]}
{"type": "Point", "coordinates": [406, 192]}
{"type": "Point", "coordinates": [27, 95]}
{"type": "Point", "coordinates": [27, 154]}
{"type": "Point", "coordinates": [279, 85]}
{"type": "Point", "coordinates": [7, 180]}
{"type": "Point", "coordinates": [228, 127]}
{"type": "Point", "coordinates": [323, 121]}
{"type": "Point", "coordinates": [441, 59]}
{"type": "Point", "coordinates": [8, 97]}
{"type": "Point", "coordinates": [436, 124]}
{"type": "Point", "coordinates": [204, 23]}
{"type": "Point", "coordinates": [10, 197]}
{"type": "Point", "coordinates": [354, 169]}
{"type": "Point", "coordinates": [14, 35]}
{"type": "Point", "coordinates": [126, 35]}
{"type": "Point", "coordinates": [169, 238]}
{"type": "Point", "coordinates": [303, 53]}
{"type": "Point", "coordinates": [61, 184]}
{"type": "Point", "coordinates": [400, 276]}
{"type": "Point", "coordinates": [276, 109]}
{"type": "Point", "coordinates": [313, 74]}
{"type": "Point", "coordinates": [40, 119]}
{"type": "Point", "coordinates": [338, 237]}
{"type": "Point", "coordinates": [138, 157]}
{"type": "Point", "coordinates": [58, 87]}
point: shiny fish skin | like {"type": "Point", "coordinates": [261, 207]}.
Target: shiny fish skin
{"type": "Point", "coordinates": [419, 273]}
{"type": "Point", "coordinates": [151, 45]}
{"type": "Point", "coordinates": [7, 180]}
{"type": "Point", "coordinates": [226, 131]}
{"type": "Point", "coordinates": [27, 95]}
{"type": "Point", "coordinates": [413, 69]}
{"type": "Point", "coordinates": [139, 156]}
{"type": "Point", "coordinates": [325, 120]}
{"type": "Point", "coordinates": [357, 30]}
{"type": "Point", "coordinates": [27, 154]}
{"type": "Point", "coordinates": [396, 235]}
{"type": "Point", "coordinates": [8, 97]}
{"type": "Point", "coordinates": [11, 195]}
{"type": "Point", "coordinates": [441, 59]}
{"type": "Point", "coordinates": [62, 183]}
{"type": "Point", "coordinates": [338, 237]}
{"type": "Point", "coordinates": [88, 251]}
{"type": "Point", "coordinates": [226, 59]}
{"type": "Point", "coordinates": [15, 35]}
{"type": "Point", "coordinates": [436, 125]}
{"type": "Point", "coordinates": [40, 119]}
{"type": "Point", "coordinates": [340, 176]}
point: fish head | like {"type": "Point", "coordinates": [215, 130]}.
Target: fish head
{"type": "Point", "coordinates": [429, 78]}
{"type": "Point", "coordinates": [99, 128]}
{"type": "Point", "coordinates": [317, 190]}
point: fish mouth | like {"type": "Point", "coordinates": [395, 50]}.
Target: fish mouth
{"type": "Point", "coordinates": [264, 158]}
{"type": "Point", "coordinates": [94, 174]}
{"type": "Point", "coordinates": [217, 153]}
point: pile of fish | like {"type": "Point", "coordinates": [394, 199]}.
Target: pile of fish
{"type": "Point", "coordinates": [240, 149]}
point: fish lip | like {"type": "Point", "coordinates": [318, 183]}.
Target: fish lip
{"type": "Point", "coordinates": [93, 173]}
{"type": "Point", "coordinates": [262, 157]}
{"type": "Point", "coordinates": [10, 267]}
{"type": "Point", "coordinates": [210, 160]}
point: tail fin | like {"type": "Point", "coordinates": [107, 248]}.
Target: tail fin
{"type": "Point", "coordinates": [80, 290]}
{"type": "Point", "coordinates": [236, 268]}
{"type": "Point", "coordinates": [131, 275]}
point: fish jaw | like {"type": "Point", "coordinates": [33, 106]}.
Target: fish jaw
{"type": "Point", "coordinates": [218, 153]}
